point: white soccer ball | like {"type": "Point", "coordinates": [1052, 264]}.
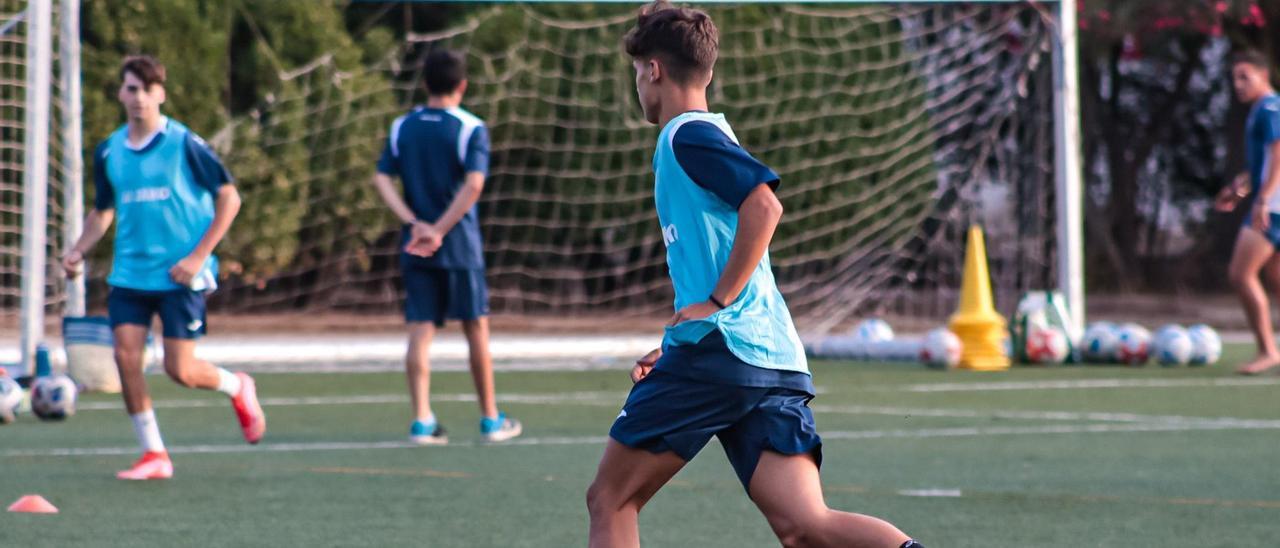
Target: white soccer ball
{"type": "Point", "coordinates": [941, 349]}
{"type": "Point", "coordinates": [1206, 345]}
{"type": "Point", "coordinates": [10, 399]}
{"type": "Point", "coordinates": [1134, 344]}
{"type": "Point", "coordinates": [873, 330]}
{"type": "Point", "coordinates": [53, 398]}
{"type": "Point", "coordinates": [1101, 342]}
{"type": "Point", "coordinates": [1047, 344]}
{"type": "Point", "coordinates": [1172, 346]}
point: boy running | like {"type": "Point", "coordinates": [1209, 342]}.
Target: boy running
{"type": "Point", "coordinates": [731, 364]}
{"type": "Point", "coordinates": [175, 203]}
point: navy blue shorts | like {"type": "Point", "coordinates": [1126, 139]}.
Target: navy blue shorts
{"type": "Point", "coordinates": [438, 294]}
{"type": "Point", "coordinates": [667, 412]}
{"type": "Point", "coordinates": [182, 311]}
{"type": "Point", "coordinates": [1272, 233]}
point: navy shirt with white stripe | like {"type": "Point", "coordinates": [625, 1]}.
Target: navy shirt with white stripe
{"type": "Point", "coordinates": [432, 150]}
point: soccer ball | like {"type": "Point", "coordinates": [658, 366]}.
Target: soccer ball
{"type": "Point", "coordinates": [941, 349]}
{"type": "Point", "coordinates": [10, 399]}
{"type": "Point", "coordinates": [873, 330]}
{"type": "Point", "coordinates": [1206, 346]}
{"type": "Point", "coordinates": [53, 398]}
{"type": "Point", "coordinates": [1172, 345]}
{"type": "Point", "coordinates": [1101, 342]}
{"type": "Point", "coordinates": [1134, 344]}
{"type": "Point", "coordinates": [1047, 344]}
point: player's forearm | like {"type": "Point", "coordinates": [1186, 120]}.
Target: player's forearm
{"type": "Point", "coordinates": [96, 224]}
{"type": "Point", "coordinates": [387, 190]}
{"type": "Point", "coordinates": [463, 201]}
{"type": "Point", "coordinates": [225, 210]}
{"type": "Point", "coordinates": [757, 219]}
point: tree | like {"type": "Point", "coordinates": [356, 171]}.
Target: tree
{"type": "Point", "coordinates": [1155, 101]}
{"type": "Point", "coordinates": [218, 98]}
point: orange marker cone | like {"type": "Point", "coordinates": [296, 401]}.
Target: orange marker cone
{"type": "Point", "coordinates": [33, 504]}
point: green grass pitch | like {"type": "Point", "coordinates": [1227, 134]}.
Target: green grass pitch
{"type": "Point", "coordinates": [1064, 456]}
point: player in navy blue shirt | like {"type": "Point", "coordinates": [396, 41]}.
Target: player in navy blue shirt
{"type": "Point", "coordinates": [440, 152]}
{"type": "Point", "coordinates": [1259, 239]}
{"type": "Point", "coordinates": [172, 202]}
{"type": "Point", "coordinates": [731, 365]}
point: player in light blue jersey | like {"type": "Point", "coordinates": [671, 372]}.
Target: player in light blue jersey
{"type": "Point", "coordinates": [172, 202]}
{"type": "Point", "coordinates": [731, 364]}
{"type": "Point", "coordinates": [440, 152]}
{"type": "Point", "coordinates": [1259, 240]}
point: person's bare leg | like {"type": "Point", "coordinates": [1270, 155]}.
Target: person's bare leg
{"type": "Point", "coordinates": [182, 365]}
{"type": "Point", "coordinates": [130, 351]}
{"type": "Point", "coordinates": [1251, 254]}
{"type": "Point", "coordinates": [417, 366]}
{"type": "Point", "coordinates": [626, 479]}
{"type": "Point", "coordinates": [130, 345]}
{"type": "Point", "coordinates": [787, 491]}
{"type": "Point", "coordinates": [477, 332]}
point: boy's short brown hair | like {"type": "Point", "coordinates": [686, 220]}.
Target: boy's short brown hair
{"type": "Point", "coordinates": [684, 39]}
{"type": "Point", "coordinates": [1251, 57]}
{"type": "Point", "coordinates": [145, 67]}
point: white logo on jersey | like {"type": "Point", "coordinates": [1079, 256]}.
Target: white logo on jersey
{"type": "Point", "coordinates": [622, 414]}
{"type": "Point", "coordinates": [145, 194]}
{"type": "Point", "coordinates": [669, 235]}
{"type": "Point", "coordinates": [430, 117]}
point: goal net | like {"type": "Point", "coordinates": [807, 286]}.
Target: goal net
{"type": "Point", "coordinates": [894, 127]}
{"type": "Point", "coordinates": [15, 41]}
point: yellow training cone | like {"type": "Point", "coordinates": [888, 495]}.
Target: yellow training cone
{"type": "Point", "coordinates": [980, 328]}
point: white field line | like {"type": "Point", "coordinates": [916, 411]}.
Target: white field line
{"type": "Point", "coordinates": [1086, 384]}
{"type": "Point", "coordinates": [289, 447]}
{"type": "Point", "coordinates": [1030, 415]}
{"type": "Point", "coordinates": [616, 399]}
{"type": "Point", "coordinates": [553, 398]}
{"type": "Point", "coordinates": [945, 493]}
{"type": "Point", "coordinates": [926, 433]}
{"type": "Point", "coordinates": [568, 398]}
{"type": "Point", "coordinates": [965, 431]}
{"type": "Point", "coordinates": [439, 365]}
{"type": "Point", "coordinates": [358, 349]}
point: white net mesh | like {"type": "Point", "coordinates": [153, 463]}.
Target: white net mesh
{"type": "Point", "coordinates": [13, 93]}
{"type": "Point", "coordinates": [893, 128]}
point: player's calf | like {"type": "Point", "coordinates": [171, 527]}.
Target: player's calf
{"type": "Point", "coordinates": [182, 376]}
{"type": "Point", "coordinates": [836, 528]}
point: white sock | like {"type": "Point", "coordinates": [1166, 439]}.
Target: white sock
{"type": "Point", "coordinates": [147, 430]}
{"type": "Point", "coordinates": [428, 420]}
{"type": "Point", "coordinates": [228, 382]}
